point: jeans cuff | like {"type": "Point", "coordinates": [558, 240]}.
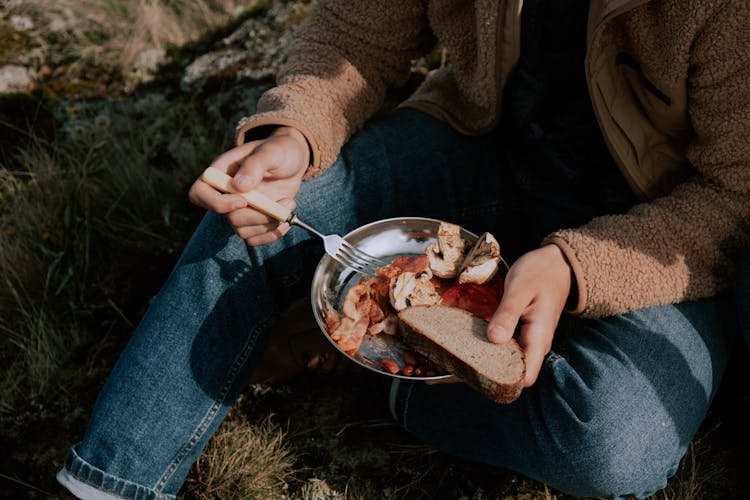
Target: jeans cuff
{"type": "Point", "coordinates": [85, 481]}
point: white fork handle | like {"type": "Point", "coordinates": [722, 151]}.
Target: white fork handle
{"type": "Point", "coordinates": [223, 182]}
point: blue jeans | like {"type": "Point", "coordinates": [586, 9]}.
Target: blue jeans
{"type": "Point", "coordinates": [614, 409]}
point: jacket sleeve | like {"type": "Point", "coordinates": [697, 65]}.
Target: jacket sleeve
{"type": "Point", "coordinates": [338, 68]}
{"type": "Point", "coordinates": [681, 246]}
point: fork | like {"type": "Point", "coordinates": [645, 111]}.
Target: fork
{"type": "Point", "coordinates": [337, 247]}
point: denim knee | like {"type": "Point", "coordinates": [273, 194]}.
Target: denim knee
{"type": "Point", "coordinates": [597, 452]}
{"type": "Point", "coordinates": [614, 441]}
{"type": "Point", "coordinates": [617, 466]}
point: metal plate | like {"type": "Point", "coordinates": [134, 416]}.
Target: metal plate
{"type": "Point", "coordinates": [386, 239]}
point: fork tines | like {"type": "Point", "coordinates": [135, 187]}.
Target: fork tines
{"type": "Point", "coordinates": [355, 258]}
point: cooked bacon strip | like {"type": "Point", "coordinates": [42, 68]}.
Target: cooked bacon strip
{"type": "Point", "coordinates": [331, 317]}
{"type": "Point", "coordinates": [365, 304]}
{"type": "Point", "coordinates": [350, 333]}
{"type": "Point", "coordinates": [417, 264]}
{"type": "Point", "coordinates": [379, 293]}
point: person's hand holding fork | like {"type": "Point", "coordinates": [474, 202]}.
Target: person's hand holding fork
{"type": "Point", "coordinates": [273, 166]}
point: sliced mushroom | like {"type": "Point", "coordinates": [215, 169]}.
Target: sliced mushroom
{"type": "Point", "coordinates": [482, 262]}
{"type": "Point", "coordinates": [412, 289]}
{"type": "Point", "coordinates": [447, 253]}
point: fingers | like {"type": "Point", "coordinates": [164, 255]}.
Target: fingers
{"type": "Point", "coordinates": [536, 289]}
{"type": "Point", "coordinates": [246, 164]}
{"type": "Point", "coordinates": [263, 235]}
{"type": "Point", "coordinates": [535, 320]}
{"type": "Point", "coordinates": [251, 170]}
{"type": "Point", "coordinates": [280, 156]}
{"type": "Point", "coordinates": [535, 338]}
{"type": "Point", "coordinates": [204, 196]}
{"type": "Point", "coordinates": [532, 333]}
{"type": "Point", "coordinates": [230, 160]}
{"type": "Point", "coordinates": [503, 323]}
{"type": "Point", "coordinates": [254, 221]}
{"type": "Point", "coordinates": [535, 332]}
{"type": "Point", "coordinates": [273, 166]}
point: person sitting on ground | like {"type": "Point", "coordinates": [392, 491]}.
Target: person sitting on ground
{"type": "Point", "coordinates": [604, 143]}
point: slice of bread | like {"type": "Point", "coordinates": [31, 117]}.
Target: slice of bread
{"type": "Point", "coordinates": [456, 341]}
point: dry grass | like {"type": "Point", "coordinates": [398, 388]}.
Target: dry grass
{"type": "Point", "coordinates": [702, 473]}
{"type": "Point", "coordinates": [120, 37]}
{"type": "Point", "coordinates": [242, 460]}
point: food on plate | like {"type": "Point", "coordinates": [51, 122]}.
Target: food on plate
{"type": "Point", "coordinates": [365, 309]}
{"type": "Point", "coordinates": [412, 284]}
{"type": "Point", "coordinates": [456, 340]}
{"type": "Point", "coordinates": [483, 261]}
{"type": "Point", "coordinates": [452, 273]}
{"type": "Point", "coordinates": [480, 300]}
{"type": "Point", "coordinates": [446, 255]}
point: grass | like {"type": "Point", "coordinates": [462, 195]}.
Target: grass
{"type": "Point", "coordinates": [92, 216]}
{"type": "Point", "coordinates": [243, 460]}
{"type": "Point", "coordinates": [97, 41]}
{"type": "Point", "coordinates": [35, 271]}
{"type": "Point", "coordinates": [74, 214]}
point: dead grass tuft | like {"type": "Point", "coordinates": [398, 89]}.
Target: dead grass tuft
{"type": "Point", "coordinates": [242, 460]}
{"type": "Point", "coordinates": [318, 489]}
{"type": "Point", "coordinates": [159, 25]}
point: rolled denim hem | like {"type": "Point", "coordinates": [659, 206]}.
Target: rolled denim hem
{"type": "Point", "coordinates": [87, 482]}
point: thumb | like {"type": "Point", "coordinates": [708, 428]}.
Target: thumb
{"type": "Point", "coordinates": [289, 203]}
{"type": "Point", "coordinates": [251, 172]}
{"type": "Point", "coordinates": [504, 321]}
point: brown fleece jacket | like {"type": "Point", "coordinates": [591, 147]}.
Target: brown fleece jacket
{"type": "Point", "coordinates": [670, 83]}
